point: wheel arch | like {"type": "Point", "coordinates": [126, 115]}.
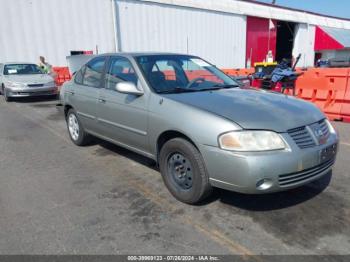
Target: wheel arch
{"type": "Point", "coordinates": [67, 107]}
{"type": "Point", "coordinates": [171, 134]}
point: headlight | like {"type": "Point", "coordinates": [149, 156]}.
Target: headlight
{"type": "Point", "coordinates": [331, 128]}
{"type": "Point", "coordinates": [13, 84]}
{"type": "Point", "coordinates": [251, 141]}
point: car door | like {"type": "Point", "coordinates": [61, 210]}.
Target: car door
{"type": "Point", "coordinates": [123, 117]}
{"type": "Point", "coordinates": [84, 93]}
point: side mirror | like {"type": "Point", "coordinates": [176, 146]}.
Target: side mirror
{"type": "Point", "coordinates": [128, 88]}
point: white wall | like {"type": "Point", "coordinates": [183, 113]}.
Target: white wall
{"type": "Point", "coordinates": [304, 42]}
{"type": "Point", "coordinates": [327, 54]}
{"type": "Point", "coordinates": [53, 28]}
{"type": "Point", "coordinates": [216, 36]}
{"type": "Point", "coordinates": [213, 29]}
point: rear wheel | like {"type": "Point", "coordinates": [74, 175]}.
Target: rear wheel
{"type": "Point", "coordinates": [183, 171]}
{"type": "Point", "coordinates": [76, 130]}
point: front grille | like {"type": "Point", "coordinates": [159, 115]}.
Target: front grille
{"type": "Point", "coordinates": [302, 137]}
{"type": "Point", "coordinates": [35, 85]}
{"type": "Point", "coordinates": [324, 127]}
{"type": "Point", "coordinates": [36, 93]}
{"type": "Point", "coordinates": [299, 177]}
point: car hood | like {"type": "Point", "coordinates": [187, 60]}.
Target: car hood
{"type": "Point", "coordinates": [30, 79]}
{"type": "Point", "coordinates": [252, 108]}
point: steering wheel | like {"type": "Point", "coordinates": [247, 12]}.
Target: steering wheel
{"type": "Point", "coordinates": [195, 80]}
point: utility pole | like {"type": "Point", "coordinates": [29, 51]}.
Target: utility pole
{"type": "Point", "coordinates": [273, 2]}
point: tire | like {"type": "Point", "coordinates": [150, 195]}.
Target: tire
{"type": "Point", "coordinates": [183, 171]}
{"type": "Point", "coordinates": [75, 129]}
{"type": "Point", "coordinates": [7, 98]}
{"type": "Point", "coordinates": [54, 97]}
{"type": "Point", "coordinates": [2, 89]}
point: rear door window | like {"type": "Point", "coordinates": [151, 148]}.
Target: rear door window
{"type": "Point", "coordinates": [93, 72]}
{"type": "Point", "coordinates": [79, 76]}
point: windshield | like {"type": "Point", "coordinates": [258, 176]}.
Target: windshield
{"type": "Point", "coordinates": [22, 69]}
{"type": "Point", "coordinates": [182, 73]}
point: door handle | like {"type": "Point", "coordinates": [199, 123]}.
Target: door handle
{"type": "Point", "coordinates": [71, 93]}
{"type": "Point", "coordinates": [101, 100]}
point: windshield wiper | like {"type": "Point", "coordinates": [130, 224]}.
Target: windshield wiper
{"type": "Point", "coordinates": [225, 86]}
{"type": "Point", "coordinates": [187, 90]}
{"type": "Point", "coordinates": [177, 90]}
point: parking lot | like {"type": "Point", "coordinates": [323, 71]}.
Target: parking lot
{"type": "Point", "coordinates": [57, 198]}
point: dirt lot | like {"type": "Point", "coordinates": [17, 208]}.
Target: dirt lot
{"type": "Point", "coordinates": [57, 198]}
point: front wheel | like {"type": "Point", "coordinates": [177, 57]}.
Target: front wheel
{"type": "Point", "coordinates": [76, 130]}
{"type": "Point", "coordinates": [6, 96]}
{"type": "Point", "coordinates": [183, 171]}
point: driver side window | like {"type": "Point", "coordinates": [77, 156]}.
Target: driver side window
{"type": "Point", "coordinates": [120, 70]}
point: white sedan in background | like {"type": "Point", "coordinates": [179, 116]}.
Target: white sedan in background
{"type": "Point", "coordinates": [24, 80]}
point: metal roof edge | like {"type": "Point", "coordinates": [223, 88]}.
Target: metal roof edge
{"type": "Point", "coordinates": [295, 9]}
{"type": "Point", "coordinates": [244, 7]}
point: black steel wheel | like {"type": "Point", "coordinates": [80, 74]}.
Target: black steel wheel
{"type": "Point", "coordinates": [183, 171]}
{"type": "Point", "coordinates": [180, 169]}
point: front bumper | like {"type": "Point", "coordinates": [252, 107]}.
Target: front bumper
{"type": "Point", "coordinates": [30, 91]}
{"type": "Point", "coordinates": [278, 170]}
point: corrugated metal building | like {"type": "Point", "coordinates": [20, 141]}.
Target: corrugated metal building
{"type": "Point", "coordinates": [226, 32]}
{"type": "Point", "coordinates": [53, 28]}
{"type": "Point", "coordinates": [217, 36]}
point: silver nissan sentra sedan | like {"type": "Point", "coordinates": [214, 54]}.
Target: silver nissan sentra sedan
{"type": "Point", "coordinates": [18, 79]}
{"type": "Point", "coordinates": [198, 124]}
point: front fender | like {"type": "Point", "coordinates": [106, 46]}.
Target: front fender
{"type": "Point", "coordinates": [200, 126]}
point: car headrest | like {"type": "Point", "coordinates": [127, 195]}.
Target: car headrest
{"type": "Point", "coordinates": [158, 75]}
